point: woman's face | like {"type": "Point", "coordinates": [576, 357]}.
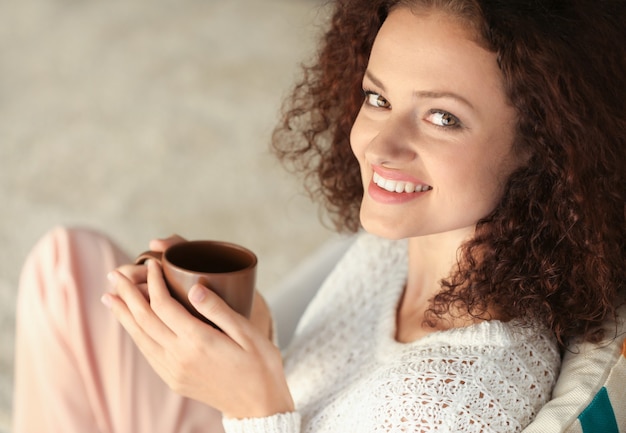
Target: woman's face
{"type": "Point", "coordinates": [434, 135]}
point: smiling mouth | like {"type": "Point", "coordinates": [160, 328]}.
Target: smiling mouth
{"type": "Point", "coordinates": [399, 186]}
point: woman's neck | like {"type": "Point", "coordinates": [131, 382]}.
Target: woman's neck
{"type": "Point", "coordinates": [431, 259]}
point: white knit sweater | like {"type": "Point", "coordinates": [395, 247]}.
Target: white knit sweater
{"type": "Point", "coordinates": [347, 373]}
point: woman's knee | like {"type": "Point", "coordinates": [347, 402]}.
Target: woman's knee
{"type": "Point", "coordinates": [64, 261]}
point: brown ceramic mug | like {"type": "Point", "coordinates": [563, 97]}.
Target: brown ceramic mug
{"type": "Point", "coordinates": [225, 268]}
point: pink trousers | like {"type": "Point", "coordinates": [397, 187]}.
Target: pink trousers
{"type": "Point", "coordinates": [76, 369]}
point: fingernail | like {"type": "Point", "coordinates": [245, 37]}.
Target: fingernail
{"type": "Point", "coordinates": [106, 300]}
{"type": "Point", "coordinates": [197, 294]}
{"type": "Point", "coordinates": [112, 277]}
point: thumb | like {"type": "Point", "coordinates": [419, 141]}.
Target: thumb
{"type": "Point", "coordinates": [211, 306]}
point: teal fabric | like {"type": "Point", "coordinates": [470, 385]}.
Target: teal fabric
{"type": "Point", "coordinates": [599, 415]}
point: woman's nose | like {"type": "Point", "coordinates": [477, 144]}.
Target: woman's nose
{"type": "Point", "coordinates": [393, 141]}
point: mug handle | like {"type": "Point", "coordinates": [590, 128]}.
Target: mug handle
{"type": "Point", "coordinates": [148, 255]}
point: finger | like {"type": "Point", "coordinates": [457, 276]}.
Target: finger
{"type": "Point", "coordinates": [162, 244]}
{"type": "Point", "coordinates": [260, 316]}
{"type": "Point", "coordinates": [123, 314]}
{"type": "Point", "coordinates": [135, 273]}
{"type": "Point", "coordinates": [140, 309]}
{"type": "Point", "coordinates": [170, 311]}
{"type": "Point", "coordinates": [150, 348]}
{"type": "Point", "coordinates": [217, 311]}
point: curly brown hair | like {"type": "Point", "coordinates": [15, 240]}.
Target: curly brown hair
{"type": "Point", "coordinates": [554, 248]}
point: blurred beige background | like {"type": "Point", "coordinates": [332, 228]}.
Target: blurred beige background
{"type": "Point", "coordinates": [144, 118]}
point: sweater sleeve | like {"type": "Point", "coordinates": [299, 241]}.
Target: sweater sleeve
{"type": "Point", "coordinates": [279, 423]}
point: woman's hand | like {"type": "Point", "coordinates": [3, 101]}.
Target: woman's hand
{"type": "Point", "coordinates": [239, 371]}
{"type": "Point", "coordinates": [260, 315]}
{"type": "Point", "coordinates": [138, 273]}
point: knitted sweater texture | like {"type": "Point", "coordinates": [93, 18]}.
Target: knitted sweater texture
{"type": "Point", "coordinates": [347, 373]}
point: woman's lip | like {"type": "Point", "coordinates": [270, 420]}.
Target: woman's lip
{"type": "Point", "coordinates": [398, 186]}
{"type": "Point", "coordinates": [397, 181]}
{"type": "Point", "coordinates": [383, 196]}
{"type": "Point", "coordinates": [394, 187]}
{"type": "Point", "coordinates": [396, 175]}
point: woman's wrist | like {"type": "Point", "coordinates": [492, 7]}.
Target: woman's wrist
{"type": "Point", "coordinates": [268, 407]}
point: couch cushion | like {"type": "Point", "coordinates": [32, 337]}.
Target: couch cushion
{"type": "Point", "coordinates": [590, 394]}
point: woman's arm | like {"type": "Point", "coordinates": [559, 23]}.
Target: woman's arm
{"type": "Point", "coordinates": [238, 371]}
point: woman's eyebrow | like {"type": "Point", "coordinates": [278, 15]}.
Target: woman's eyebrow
{"type": "Point", "coordinates": [425, 94]}
{"type": "Point", "coordinates": [443, 94]}
{"type": "Point", "coordinates": [373, 79]}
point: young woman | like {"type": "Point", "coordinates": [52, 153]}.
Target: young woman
{"type": "Point", "coordinates": [481, 146]}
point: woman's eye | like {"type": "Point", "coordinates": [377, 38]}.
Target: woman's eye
{"type": "Point", "coordinates": [375, 100]}
{"type": "Point", "coordinates": [443, 119]}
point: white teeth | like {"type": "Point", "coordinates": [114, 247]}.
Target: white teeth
{"type": "Point", "coordinates": [398, 186]}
